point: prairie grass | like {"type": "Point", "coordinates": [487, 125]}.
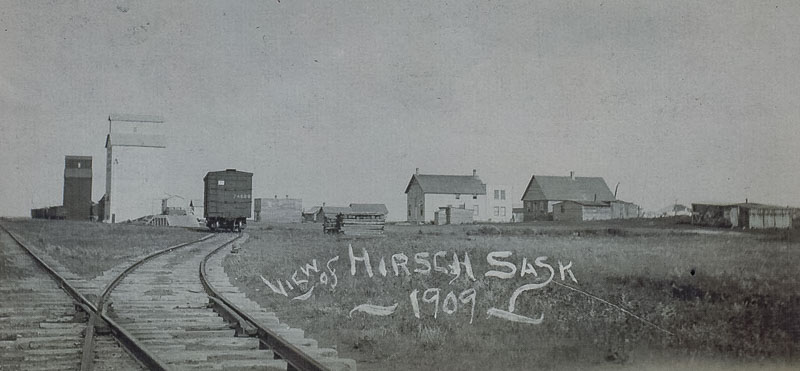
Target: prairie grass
{"type": "Point", "coordinates": [732, 297]}
{"type": "Point", "coordinates": [88, 249]}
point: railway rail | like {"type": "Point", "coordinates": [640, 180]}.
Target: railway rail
{"type": "Point", "coordinates": [163, 311]}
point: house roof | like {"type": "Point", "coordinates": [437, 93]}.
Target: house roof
{"type": "Point", "coordinates": [370, 208]}
{"type": "Point", "coordinates": [448, 184]}
{"type": "Point", "coordinates": [563, 188]}
{"type": "Point", "coordinates": [335, 210]}
{"type": "Point", "coordinates": [312, 210]}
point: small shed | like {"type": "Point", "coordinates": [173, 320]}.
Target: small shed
{"type": "Point", "coordinates": [624, 210]}
{"type": "Point", "coordinates": [313, 215]}
{"type": "Point", "coordinates": [581, 211]}
{"type": "Point", "coordinates": [453, 215]}
{"type": "Point", "coordinates": [518, 215]}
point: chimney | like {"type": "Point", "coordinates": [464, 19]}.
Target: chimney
{"type": "Point", "coordinates": [276, 197]}
{"type": "Point", "coordinates": [323, 204]}
{"type": "Point", "coordinates": [417, 172]}
{"type": "Point", "coordinates": [572, 175]}
{"type": "Point", "coordinates": [474, 173]}
{"type": "Point", "coordinates": [287, 196]}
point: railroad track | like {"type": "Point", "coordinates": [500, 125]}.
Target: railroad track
{"type": "Point", "coordinates": [174, 309]}
{"type": "Point", "coordinates": [40, 329]}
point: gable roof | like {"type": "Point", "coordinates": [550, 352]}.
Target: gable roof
{"type": "Point", "coordinates": [562, 188]}
{"type": "Point", "coordinates": [370, 208]}
{"type": "Point", "coordinates": [335, 210]}
{"type": "Point", "coordinates": [448, 184]}
{"type": "Point", "coordinates": [312, 210]}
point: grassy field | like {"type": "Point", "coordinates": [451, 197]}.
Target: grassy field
{"type": "Point", "coordinates": [89, 249]}
{"type": "Point", "coordinates": [645, 294]}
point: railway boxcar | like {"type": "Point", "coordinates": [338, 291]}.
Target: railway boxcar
{"type": "Point", "coordinates": [227, 199]}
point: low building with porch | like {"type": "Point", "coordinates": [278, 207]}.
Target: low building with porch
{"type": "Point", "coordinates": [742, 215]}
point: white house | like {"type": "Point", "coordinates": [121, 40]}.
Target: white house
{"type": "Point", "coordinates": [426, 193]}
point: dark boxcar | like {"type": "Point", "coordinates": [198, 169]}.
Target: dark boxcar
{"type": "Point", "coordinates": [227, 199]}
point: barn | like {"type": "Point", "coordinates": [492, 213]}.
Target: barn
{"type": "Point", "coordinates": [543, 192]}
{"type": "Point", "coordinates": [742, 215]}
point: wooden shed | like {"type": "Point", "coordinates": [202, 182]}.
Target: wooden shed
{"type": "Point", "coordinates": [313, 215]}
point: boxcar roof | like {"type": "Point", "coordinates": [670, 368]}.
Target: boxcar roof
{"type": "Point", "coordinates": [228, 171]}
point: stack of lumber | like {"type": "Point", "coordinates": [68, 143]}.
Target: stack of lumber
{"type": "Point", "coordinates": [361, 224]}
{"type": "Point", "coordinates": [330, 224]}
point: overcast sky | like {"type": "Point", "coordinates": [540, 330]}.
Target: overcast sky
{"type": "Point", "coordinates": [340, 101]}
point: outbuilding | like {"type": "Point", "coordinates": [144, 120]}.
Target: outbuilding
{"type": "Point", "coordinates": [742, 215]}
{"type": "Point", "coordinates": [581, 211]}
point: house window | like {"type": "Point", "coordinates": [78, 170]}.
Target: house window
{"type": "Point", "coordinates": [503, 211]}
{"type": "Point", "coordinates": [475, 210]}
{"type": "Point", "coordinates": [458, 196]}
{"type": "Point", "coordinates": [496, 194]}
{"type": "Point", "coordinates": [502, 194]}
{"type": "Point", "coordinates": [497, 211]}
{"type": "Point", "coordinates": [562, 208]}
{"type": "Point", "coordinates": [474, 197]}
